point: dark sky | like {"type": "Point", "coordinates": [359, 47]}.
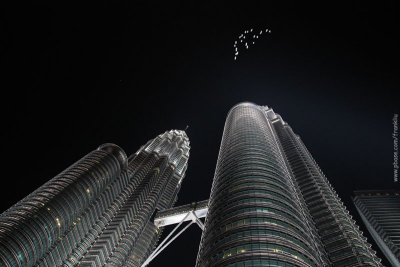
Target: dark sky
{"type": "Point", "coordinates": [78, 75]}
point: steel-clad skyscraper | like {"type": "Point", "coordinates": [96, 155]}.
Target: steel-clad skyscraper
{"type": "Point", "coordinates": [271, 205]}
{"type": "Point", "coordinates": [98, 211]}
{"type": "Point", "coordinates": [380, 212]}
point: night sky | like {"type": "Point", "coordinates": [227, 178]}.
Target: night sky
{"type": "Point", "coordinates": [78, 75]}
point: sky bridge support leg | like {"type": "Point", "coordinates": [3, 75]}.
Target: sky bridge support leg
{"type": "Point", "coordinates": [170, 238]}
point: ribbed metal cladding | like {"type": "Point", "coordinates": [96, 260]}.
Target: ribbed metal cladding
{"type": "Point", "coordinates": [36, 223]}
{"type": "Point", "coordinates": [343, 241]}
{"type": "Point", "coordinates": [380, 212]}
{"type": "Point", "coordinates": [159, 190]}
{"type": "Point", "coordinates": [254, 217]}
{"type": "Point", "coordinates": [98, 212]}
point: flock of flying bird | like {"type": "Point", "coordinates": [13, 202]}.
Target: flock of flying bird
{"type": "Point", "coordinates": [247, 38]}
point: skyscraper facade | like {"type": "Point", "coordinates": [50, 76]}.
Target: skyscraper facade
{"type": "Point", "coordinates": [380, 212]}
{"type": "Point", "coordinates": [99, 210]}
{"type": "Point", "coordinates": [271, 205]}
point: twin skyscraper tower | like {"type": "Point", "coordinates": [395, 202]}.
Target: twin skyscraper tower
{"type": "Point", "coordinates": [270, 205]}
{"type": "Point", "coordinates": [98, 211]}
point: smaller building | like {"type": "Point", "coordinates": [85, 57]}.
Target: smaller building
{"type": "Point", "coordinates": [380, 212]}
